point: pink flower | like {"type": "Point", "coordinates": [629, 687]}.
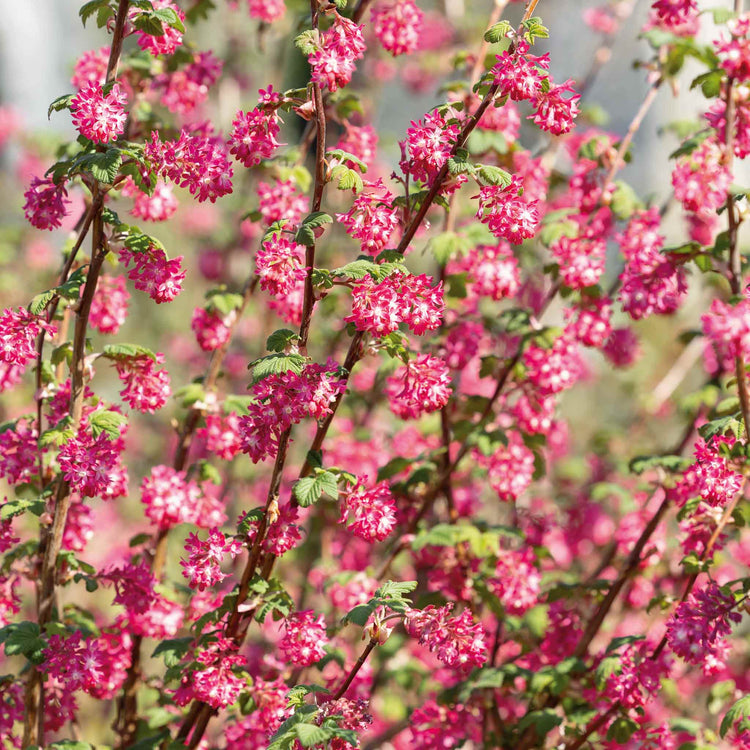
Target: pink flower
{"type": "Point", "coordinates": [99, 118]}
{"type": "Point", "coordinates": [697, 629]}
{"type": "Point", "coordinates": [510, 468]}
{"type": "Point", "coordinates": [169, 498]}
{"type": "Point", "coordinates": [372, 511]}
{"type": "Point", "coordinates": [372, 219]}
{"type": "Point", "coordinates": [427, 147]}
{"type": "Point", "coordinates": [281, 201]}
{"type": "Point", "coordinates": [589, 322]}
{"type": "Point", "coordinates": [267, 10]}
{"type": "Point", "coordinates": [18, 333]}
{"type": "Point", "coordinates": [18, 452]}
{"type": "Point", "coordinates": [622, 348]}
{"type": "Point", "coordinates": [212, 329]}
{"type": "Point", "coordinates": [519, 75]}
{"type": "Point", "coordinates": [153, 273]}
{"type": "Point", "coordinates": [222, 435]}
{"type": "Point", "coordinates": [360, 141]}
{"type": "Point", "coordinates": [109, 307]}
{"type": "Point", "coordinates": [170, 40]}
{"type": "Point", "coordinates": [554, 113]}
{"type": "Point", "coordinates": [187, 87]}
{"type": "Point", "coordinates": [332, 62]}
{"type": "Point", "coordinates": [397, 25]}
{"type": "Point", "coordinates": [91, 67]}
{"type": "Point", "coordinates": [492, 271]}
{"type": "Point", "coordinates": [86, 463]}
{"type": "Point", "coordinates": [203, 566]}
{"type": "Point", "coordinates": [420, 387]}
{"type": "Point", "coordinates": [715, 481]}
{"type": "Point", "coordinates": [581, 260]}
{"type": "Point", "coordinates": [459, 642]}
{"type": "Point", "coordinates": [254, 133]}
{"type": "Point", "coordinates": [701, 180]}
{"type": "Point", "coordinates": [555, 369]}
{"type": "Point", "coordinates": [198, 162]}
{"type": "Point", "coordinates": [517, 581]}
{"type": "Point", "coordinates": [45, 203]}
{"type": "Point", "coordinates": [146, 388]}
{"type": "Point", "coordinates": [380, 307]}
{"type": "Point", "coordinates": [159, 206]}
{"type": "Point", "coordinates": [280, 265]}
{"type": "Point", "coordinates": [305, 639]}
{"type": "Point", "coordinates": [506, 213]}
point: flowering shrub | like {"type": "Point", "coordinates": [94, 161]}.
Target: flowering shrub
{"type": "Point", "coordinates": [349, 498]}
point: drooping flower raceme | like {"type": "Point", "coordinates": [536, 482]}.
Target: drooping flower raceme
{"type": "Point", "coordinates": [421, 386]}
{"type": "Point", "coordinates": [99, 117]}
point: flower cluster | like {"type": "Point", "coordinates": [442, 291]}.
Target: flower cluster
{"type": "Point", "coordinates": [212, 329]}
{"type": "Point", "coordinates": [372, 218]}
{"type": "Point", "coordinates": [45, 203]}
{"type": "Point", "coordinates": [99, 117]}
{"type": "Point", "coordinates": [397, 25]}
{"type": "Point", "coordinates": [109, 306]}
{"type": "Point", "coordinates": [507, 214]}
{"type": "Point", "coordinates": [332, 61]}
{"type": "Point", "coordinates": [88, 464]}
{"type": "Point", "coordinates": [371, 511]}
{"type": "Point", "coordinates": [146, 388]}
{"type": "Point", "coordinates": [154, 273]}
{"type": "Point", "coordinates": [421, 386]}
{"type": "Point", "coordinates": [18, 333]}
{"type": "Point", "coordinates": [304, 638]}
{"type": "Point", "coordinates": [203, 565]}
{"type": "Point", "coordinates": [379, 307]}
{"type": "Point", "coordinates": [427, 146]}
{"type": "Point", "coordinates": [254, 133]}
{"type": "Point", "coordinates": [283, 399]}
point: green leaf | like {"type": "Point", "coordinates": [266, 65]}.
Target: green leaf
{"type": "Point", "coordinates": [624, 201]}
{"type": "Point", "coordinates": [641, 464]}
{"type": "Point", "coordinates": [310, 735]}
{"type": "Point", "coordinates": [19, 505]}
{"type": "Point", "coordinates": [497, 32]}
{"type": "Point", "coordinates": [493, 175]}
{"type": "Point", "coordinates": [624, 640]}
{"type": "Point", "coordinates": [690, 144]}
{"type": "Point", "coordinates": [621, 729]}
{"type": "Point", "coordinates": [720, 427]}
{"type": "Point", "coordinates": [173, 650]}
{"type": "Point", "coordinates": [274, 364]}
{"type": "Point", "coordinates": [62, 102]}
{"type": "Point", "coordinates": [107, 421]}
{"type": "Point", "coordinates": [347, 178]}
{"type": "Point", "coordinates": [151, 743]}
{"type": "Point", "coordinates": [345, 156]}
{"type": "Point", "coordinates": [224, 302]}
{"type": "Point", "coordinates": [40, 302]}
{"type": "Point", "coordinates": [543, 722]}
{"type": "Point", "coordinates": [199, 11]}
{"type": "Point", "coordinates": [281, 340]}
{"type": "Point", "coordinates": [447, 245]}
{"type": "Point", "coordinates": [126, 351]}
{"type": "Point", "coordinates": [306, 232]}
{"type": "Point", "coordinates": [309, 490]}
{"type": "Point", "coordinates": [709, 82]}
{"type": "Point", "coordinates": [170, 17]}
{"type": "Point", "coordinates": [104, 166]}
{"type": "Point", "coordinates": [23, 638]}
{"type": "Point", "coordinates": [94, 6]}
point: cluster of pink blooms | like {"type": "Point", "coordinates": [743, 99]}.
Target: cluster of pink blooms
{"type": "Point", "coordinates": [370, 510]}
{"type": "Point", "coordinates": [199, 162]}
{"type": "Point", "coordinates": [507, 214]}
{"type": "Point", "coordinates": [280, 265]}
{"type": "Point", "coordinates": [637, 680]}
{"type": "Point", "coordinates": [427, 146]}
{"type": "Point", "coordinates": [45, 203]}
{"type": "Point", "coordinates": [212, 329]}
{"type": "Point", "coordinates": [100, 118]}
{"type": "Point", "coordinates": [510, 468]}
{"type": "Point", "coordinates": [17, 449]}
{"type": "Point", "coordinates": [675, 14]}
{"type": "Point", "coordinates": [517, 581]}
{"type": "Point", "coordinates": [589, 322]}
{"type": "Point", "coordinates": [458, 642]}
{"type": "Point", "coordinates": [651, 282]}
{"type": "Point", "coordinates": [153, 273]}
{"type": "Point", "coordinates": [91, 67]}
{"type": "Point", "coordinates": [171, 499]}
{"type": "Point", "coordinates": [159, 206]}
{"type": "Point", "coordinates": [581, 260]}
{"type": "Point", "coordinates": [522, 76]}
{"type": "Point", "coordinates": [214, 682]}
{"type": "Point", "coordinates": [109, 306]}
{"type": "Point", "coordinates": [372, 218]}
{"type": "Point", "coordinates": [87, 463]}
{"type": "Point", "coordinates": [360, 141]}
{"type": "Point", "coordinates": [170, 40]}
{"type": "Point", "coordinates": [304, 638]}
{"type": "Point", "coordinates": [254, 133]}
{"type": "Point", "coordinates": [397, 25]}
{"type": "Point", "coordinates": [555, 369]}
{"type": "Point", "coordinates": [332, 62]}
{"type": "Point", "coordinates": [146, 388]}
{"type": "Point", "coordinates": [76, 665]}
{"type": "Point", "coordinates": [421, 386]}
{"type": "Point", "coordinates": [492, 271]}
{"type": "Point", "coordinates": [222, 435]}
{"type": "Point", "coordinates": [701, 179]}
{"type": "Point", "coordinates": [728, 328]}
{"type": "Point", "coordinates": [697, 629]}
{"type": "Point", "coordinates": [267, 10]}
{"type": "Point", "coordinates": [281, 201]}
{"type": "Point", "coordinates": [283, 399]}
{"type": "Point", "coordinates": [715, 481]}
{"type": "Point", "coordinates": [18, 333]}
{"type": "Point", "coordinates": [188, 87]}
{"type": "Point", "coordinates": [203, 565]}
{"type": "Point", "coordinates": [379, 307]}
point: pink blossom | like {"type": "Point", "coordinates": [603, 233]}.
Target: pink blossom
{"type": "Point", "coordinates": [281, 201]}
{"type": "Point", "coordinates": [254, 133]}
{"type": "Point", "coordinates": [427, 146]}
{"type": "Point", "coordinates": [99, 118]}
{"type": "Point", "coordinates": [187, 87]}
{"type": "Point", "coordinates": [109, 307]}
{"type": "Point", "coordinates": [421, 386]}
{"type": "Point", "coordinates": [45, 203]}
{"type": "Point", "coordinates": [169, 498]}
{"type": "Point", "coordinates": [222, 435]}
{"type": "Point", "coordinates": [280, 265]}
{"type": "Point", "coordinates": [267, 10]}
{"type": "Point", "coordinates": [159, 206]}
{"type": "Point", "coordinates": [212, 329]}
{"type": "Point", "coordinates": [332, 62]}
{"type": "Point", "coordinates": [203, 566]}
{"type": "Point", "coordinates": [87, 462]}
{"type": "Point", "coordinates": [360, 141]}
{"type": "Point", "coordinates": [372, 510]}
{"type": "Point", "coordinates": [146, 388]}
{"type": "Point", "coordinates": [304, 639]}
{"type": "Point", "coordinates": [372, 218]}
{"type": "Point", "coordinates": [397, 25]}
{"type": "Point", "coordinates": [153, 273]}
{"type": "Point", "coordinates": [510, 468]}
{"type": "Point", "coordinates": [91, 67]}
{"type": "Point", "coordinates": [170, 40]}
{"type": "Point", "coordinates": [506, 213]}
{"type": "Point", "coordinates": [18, 333]}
